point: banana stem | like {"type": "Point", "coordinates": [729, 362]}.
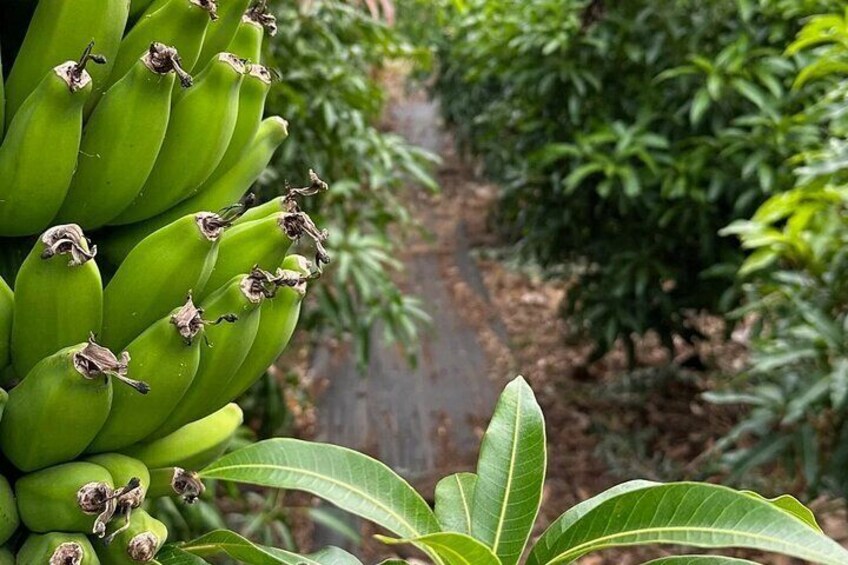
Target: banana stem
{"type": "Point", "coordinates": [162, 59]}
{"type": "Point", "coordinates": [188, 320]}
{"type": "Point", "coordinates": [259, 14]}
{"type": "Point", "coordinates": [68, 240]}
{"type": "Point", "coordinates": [97, 498]}
{"type": "Point", "coordinates": [95, 360]}
{"type": "Point", "coordinates": [187, 485]}
{"type": "Point", "coordinates": [210, 6]}
{"type": "Point", "coordinates": [68, 552]}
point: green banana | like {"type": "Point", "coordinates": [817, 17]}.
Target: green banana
{"type": "Point", "coordinates": [57, 410]}
{"type": "Point", "coordinates": [138, 543]}
{"type": "Point", "coordinates": [194, 445]}
{"type": "Point", "coordinates": [166, 357]}
{"type": "Point", "coordinates": [255, 23]}
{"type": "Point", "coordinates": [57, 549]}
{"type": "Point", "coordinates": [179, 23]}
{"type": "Point", "coordinates": [57, 32]}
{"type": "Point", "coordinates": [74, 497]}
{"type": "Point", "coordinates": [122, 139]}
{"type": "Point", "coordinates": [263, 243]}
{"type": "Point", "coordinates": [158, 273]}
{"type": "Point", "coordinates": [133, 479]}
{"type": "Point", "coordinates": [254, 92]}
{"type": "Point", "coordinates": [215, 196]}
{"type": "Point", "coordinates": [184, 164]}
{"type": "Point", "coordinates": [283, 203]}
{"type": "Point", "coordinates": [2, 101]}
{"type": "Point", "coordinates": [59, 301]}
{"type": "Point", "coordinates": [7, 310]}
{"type": "Point", "coordinates": [221, 32]}
{"type": "Point", "coordinates": [9, 519]}
{"type": "Point", "coordinates": [123, 469]}
{"type": "Point", "coordinates": [278, 318]}
{"type": "Point", "coordinates": [175, 481]}
{"type": "Point", "coordinates": [39, 153]}
{"type": "Point", "coordinates": [138, 7]}
{"type": "Point", "coordinates": [229, 345]}
{"type": "Point", "coordinates": [4, 398]}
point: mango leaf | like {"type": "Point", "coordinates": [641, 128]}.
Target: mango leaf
{"type": "Point", "coordinates": [454, 497]}
{"type": "Point", "coordinates": [329, 556]}
{"type": "Point", "coordinates": [235, 546]}
{"type": "Point", "coordinates": [791, 505]}
{"type": "Point", "coordinates": [352, 481]}
{"type": "Point", "coordinates": [510, 473]}
{"type": "Point", "coordinates": [173, 555]}
{"type": "Point", "coordinates": [692, 514]}
{"type": "Point", "coordinates": [700, 560]}
{"type": "Point", "coordinates": [452, 548]}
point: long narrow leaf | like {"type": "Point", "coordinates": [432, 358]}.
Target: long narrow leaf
{"type": "Point", "coordinates": [243, 550]}
{"type": "Point", "coordinates": [700, 560]}
{"type": "Point", "coordinates": [692, 514]}
{"type": "Point", "coordinates": [352, 481]}
{"type": "Point", "coordinates": [173, 555]}
{"type": "Point", "coordinates": [452, 548]}
{"type": "Point", "coordinates": [454, 497]}
{"type": "Point", "coordinates": [510, 473]}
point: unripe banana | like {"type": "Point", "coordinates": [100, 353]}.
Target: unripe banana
{"type": "Point", "coordinates": [59, 302]}
{"type": "Point", "coordinates": [139, 543]}
{"type": "Point", "coordinates": [74, 497]}
{"type": "Point", "coordinates": [9, 519]}
{"type": "Point", "coordinates": [254, 92]}
{"type": "Point", "coordinates": [179, 23]}
{"type": "Point", "coordinates": [278, 319]}
{"type": "Point", "coordinates": [229, 345]}
{"type": "Point", "coordinates": [122, 139]}
{"type": "Point", "coordinates": [123, 469]}
{"type": "Point", "coordinates": [175, 481]}
{"type": "Point", "coordinates": [57, 549]}
{"type": "Point", "coordinates": [166, 357]}
{"type": "Point", "coordinates": [215, 196]}
{"type": "Point", "coordinates": [194, 445]}
{"type": "Point", "coordinates": [58, 31]}
{"type": "Point", "coordinates": [133, 481]}
{"type": "Point", "coordinates": [247, 41]}
{"type": "Point", "coordinates": [220, 33]}
{"type": "Point", "coordinates": [4, 398]}
{"type": "Point", "coordinates": [206, 112]}
{"type": "Point", "coordinates": [7, 310]}
{"type": "Point", "coordinates": [53, 415]}
{"type": "Point", "coordinates": [39, 153]}
{"type": "Point", "coordinates": [283, 203]}
{"type": "Point", "coordinates": [158, 273]}
{"type": "Point", "coordinates": [263, 243]}
{"type": "Point", "coordinates": [2, 101]}
{"type": "Point", "coordinates": [138, 7]}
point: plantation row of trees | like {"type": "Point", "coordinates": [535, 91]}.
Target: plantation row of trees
{"type": "Point", "coordinates": [675, 158]}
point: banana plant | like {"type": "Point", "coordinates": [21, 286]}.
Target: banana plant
{"type": "Point", "coordinates": [486, 518]}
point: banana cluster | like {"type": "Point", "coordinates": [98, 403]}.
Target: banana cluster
{"type": "Point", "coordinates": [141, 124]}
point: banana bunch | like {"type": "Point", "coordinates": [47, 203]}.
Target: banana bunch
{"type": "Point", "coordinates": [140, 124]}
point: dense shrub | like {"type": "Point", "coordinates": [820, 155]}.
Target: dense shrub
{"type": "Point", "coordinates": [797, 283]}
{"type": "Point", "coordinates": [625, 135]}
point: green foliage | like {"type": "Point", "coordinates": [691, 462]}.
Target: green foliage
{"type": "Point", "coordinates": [625, 136]}
{"type": "Point", "coordinates": [797, 272]}
{"type": "Point", "coordinates": [499, 503]}
{"type": "Point", "coordinates": [327, 53]}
